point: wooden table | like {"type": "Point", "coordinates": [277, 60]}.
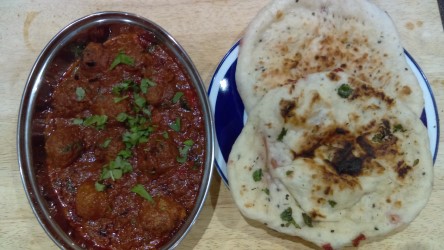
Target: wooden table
{"type": "Point", "coordinates": [206, 29]}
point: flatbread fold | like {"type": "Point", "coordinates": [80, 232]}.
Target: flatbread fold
{"type": "Point", "coordinates": [330, 168]}
{"type": "Point", "coordinates": [290, 39]}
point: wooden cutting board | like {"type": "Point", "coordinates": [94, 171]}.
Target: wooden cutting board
{"type": "Point", "coordinates": [206, 29]}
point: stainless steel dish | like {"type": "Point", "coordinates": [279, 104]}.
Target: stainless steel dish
{"type": "Point", "coordinates": [56, 55]}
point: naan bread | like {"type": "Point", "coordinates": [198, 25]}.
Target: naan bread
{"type": "Point", "coordinates": [331, 159]}
{"type": "Point", "coordinates": [290, 39]}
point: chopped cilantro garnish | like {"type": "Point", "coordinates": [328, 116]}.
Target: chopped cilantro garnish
{"type": "Point", "coordinates": [183, 152]}
{"type": "Point", "coordinates": [345, 90]}
{"type": "Point", "coordinates": [139, 101]}
{"type": "Point", "coordinates": [80, 93]}
{"type": "Point", "coordinates": [140, 190]}
{"type": "Point", "coordinates": [181, 159]}
{"type": "Point", "coordinates": [115, 169]}
{"type": "Point", "coordinates": [177, 97]}
{"type": "Point", "coordinates": [257, 175]}
{"type": "Point", "coordinates": [398, 128]}
{"type": "Point", "coordinates": [119, 88]}
{"type": "Point", "coordinates": [165, 135]}
{"type": "Point", "coordinates": [307, 220]}
{"type": "Point", "coordinates": [135, 137]}
{"type": "Point", "coordinates": [77, 121]}
{"type": "Point", "coordinates": [289, 173]}
{"type": "Point", "coordinates": [106, 143]}
{"type": "Point", "coordinates": [189, 143]}
{"type": "Point", "coordinates": [120, 98]}
{"type": "Point", "coordinates": [282, 134]}
{"type": "Point", "coordinates": [266, 190]}
{"type": "Point", "coordinates": [145, 84]}
{"type": "Point", "coordinates": [332, 203]}
{"type": "Point", "coordinates": [287, 216]}
{"type": "Point", "coordinates": [99, 186]}
{"type": "Point", "coordinates": [122, 58]}
{"type": "Point", "coordinates": [121, 117]}
{"type": "Point", "coordinates": [125, 154]}
{"type": "Point", "coordinates": [175, 125]}
{"type": "Point", "coordinates": [146, 111]}
{"type": "Point", "coordinates": [98, 121]}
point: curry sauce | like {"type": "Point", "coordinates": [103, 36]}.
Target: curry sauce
{"type": "Point", "coordinates": [124, 143]}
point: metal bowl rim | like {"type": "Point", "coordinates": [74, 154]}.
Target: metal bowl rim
{"type": "Point", "coordinates": [24, 155]}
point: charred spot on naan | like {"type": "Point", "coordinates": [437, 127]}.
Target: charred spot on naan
{"type": "Point", "coordinates": [364, 90]}
{"type": "Point", "coordinates": [355, 154]}
{"type": "Point", "coordinates": [403, 169]}
{"type": "Point", "coordinates": [333, 76]}
{"type": "Point", "coordinates": [287, 108]}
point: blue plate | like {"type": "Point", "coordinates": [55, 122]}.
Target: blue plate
{"type": "Point", "coordinates": [230, 116]}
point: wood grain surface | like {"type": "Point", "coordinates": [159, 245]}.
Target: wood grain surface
{"type": "Point", "coordinates": [206, 29]}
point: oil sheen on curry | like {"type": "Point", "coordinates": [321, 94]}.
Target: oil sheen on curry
{"type": "Point", "coordinates": [124, 142]}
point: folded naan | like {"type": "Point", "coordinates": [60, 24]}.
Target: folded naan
{"type": "Point", "coordinates": [331, 159]}
{"type": "Point", "coordinates": [290, 39]}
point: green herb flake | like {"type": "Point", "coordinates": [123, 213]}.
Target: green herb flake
{"type": "Point", "coordinates": [289, 173]}
{"type": "Point", "coordinates": [97, 121]}
{"type": "Point", "coordinates": [106, 143]}
{"type": "Point", "coordinates": [77, 121]}
{"type": "Point", "coordinates": [175, 125]}
{"type": "Point", "coordinates": [307, 220]}
{"type": "Point", "coordinates": [121, 117]}
{"type": "Point", "coordinates": [183, 152]}
{"type": "Point", "coordinates": [119, 88]}
{"type": "Point", "coordinates": [287, 216]}
{"type": "Point", "coordinates": [99, 186]}
{"type": "Point", "coordinates": [257, 175]}
{"type": "Point", "coordinates": [146, 111]}
{"type": "Point", "coordinates": [132, 138]}
{"type": "Point", "coordinates": [332, 203]}
{"type": "Point", "coordinates": [122, 58]}
{"type": "Point", "coordinates": [139, 101]}
{"type": "Point", "coordinates": [282, 134]}
{"type": "Point", "coordinates": [140, 190]}
{"type": "Point", "coordinates": [378, 138]}
{"type": "Point", "coordinates": [116, 174]}
{"type": "Point", "coordinates": [416, 162]}
{"type": "Point", "coordinates": [80, 93]}
{"type": "Point", "coordinates": [189, 143]}
{"type": "Point", "coordinates": [399, 128]}
{"type": "Point", "coordinates": [266, 190]}
{"type": "Point", "coordinates": [125, 154]}
{"type": "Point", "coordinates": [165, 135]}
{"type": "Point", "coordinates": [345, 91]}
{"type": "Point", "coordinates": [120, 98]}
{"type": "Point", "coordinates": [177, 97]}
{"type": "Point", "coordinates": [145, 84]}
{"type": "Point", "coordinates": [115, 169]}
{"type": "Point", "coordinates": [120, 163]}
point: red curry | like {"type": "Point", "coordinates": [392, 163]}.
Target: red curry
{"type": "Point", "coordinates": [124, 141]}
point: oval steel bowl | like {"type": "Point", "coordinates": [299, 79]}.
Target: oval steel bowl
{"type": "Point", "coordinates": [48, 66]}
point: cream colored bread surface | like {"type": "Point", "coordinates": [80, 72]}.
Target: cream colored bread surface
{"type": "Point", "coordinates": [392, 188]}
{"type": "Point", "coordinates": [290, 39]}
